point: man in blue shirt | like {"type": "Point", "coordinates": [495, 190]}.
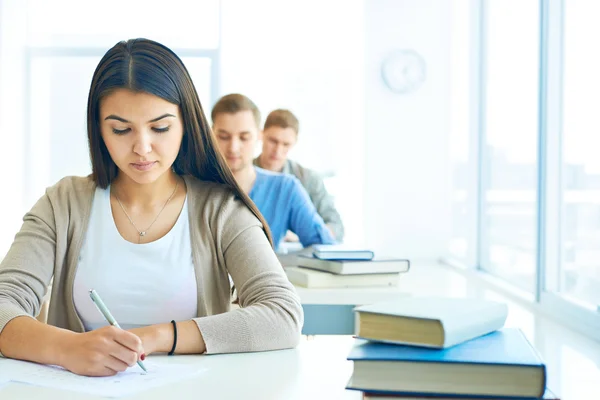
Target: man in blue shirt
{"type": "Point", "coordinates": [280, 197]}
{"type": "Point", "coordinates": [279, 136]}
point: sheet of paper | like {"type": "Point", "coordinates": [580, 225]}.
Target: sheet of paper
{"type": "Point", "coordinates": [3, 374]}
{"type": "Point", "coordinates": [123, 384]}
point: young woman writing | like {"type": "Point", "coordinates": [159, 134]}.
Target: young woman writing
{"type": "Point", "coordinates": [156, 230]}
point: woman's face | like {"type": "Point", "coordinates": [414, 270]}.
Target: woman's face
{"type": "Point", "coordinates": [142, 133]}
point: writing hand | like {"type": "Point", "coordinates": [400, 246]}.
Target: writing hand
{"type": "Point", "coordinates": [102, 352]}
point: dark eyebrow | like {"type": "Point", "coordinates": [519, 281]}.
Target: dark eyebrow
{"type": "Point", "coordinates": [116, 117]}
{"type": "Point", "coordinates": [112, 116]}
{"type": "Point", "coordinates": [161, 117]}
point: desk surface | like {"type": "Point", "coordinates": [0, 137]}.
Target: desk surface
{"type": "Point", "coordinates": [316, 369]}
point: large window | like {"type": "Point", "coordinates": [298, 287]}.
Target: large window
{"type": "Point", "coordinates": [580, 195]}
{"type": "Point", "coordinates": [534, 113]}
{"type": "Point", "coordinates": [509, 152]}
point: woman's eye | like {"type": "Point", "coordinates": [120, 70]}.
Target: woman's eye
{"type": "Point", "coordinates": [161, 130]}
{"type": "Point", "coordinates": [120, 131]}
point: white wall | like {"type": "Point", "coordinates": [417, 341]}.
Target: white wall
{"type": "Point", "coordinates": [390, 151]}
{"type": "Point", "coordinates": [407, 198]}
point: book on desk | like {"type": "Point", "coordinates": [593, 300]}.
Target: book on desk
{"type": "Point", "coordinates": [310, 278]}
{"type": "Point", "coordinates": [548, 395]}
{"type": "Point", "coordinates": [341, 252]}
{"type": "Point", "coordinates": [500, 364]}
{"type": "Point", "coordinates": [430, 321]}
{"type": "Point", "coordinates": [378, 265]}
{"type": "Point", "coordinates": [341, 266]}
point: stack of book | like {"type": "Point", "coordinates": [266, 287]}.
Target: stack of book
{"type": "Point", "coordinates": [332, 266]}
{"type": "Point", "coordinates": [443, 348]}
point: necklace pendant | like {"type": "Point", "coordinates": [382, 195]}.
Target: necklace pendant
{"type": "Point", "coordinates": [142, 233]}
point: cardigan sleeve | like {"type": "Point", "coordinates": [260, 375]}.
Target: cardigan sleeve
{"type": "Point", "coordinates": [27, 268]}
{"type": "Point", "coordinates": [270, 315]}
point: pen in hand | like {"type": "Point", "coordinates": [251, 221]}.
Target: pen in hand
{"type": "Point", "coordinates": [111, 320]}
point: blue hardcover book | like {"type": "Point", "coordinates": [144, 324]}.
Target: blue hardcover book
{"type": "Point", "coordinates": [548, 395]}
{"type": "Point", "coordinates": [341, 252]}
{"type": "Point", "coordinates": [502, 364]}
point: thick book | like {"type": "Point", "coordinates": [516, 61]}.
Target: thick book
{"type": "Point", "coordinates": [548, 395]}
{"type": "Point", "coordinates": [341, 252]}
{"type": "Point", "coordinates": [430, 321]}
{"type": "Point", "coordinates": [349, 267]}
{"type": "Point", "coordinates": [310, 278]}
{"type": "Point", "coordinates": [499, 364]}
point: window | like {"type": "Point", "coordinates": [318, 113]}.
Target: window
{"type": "Point", "coordinates": [579, 276]}
{"type": "Point", "coordinates": [510, 126]}
{"type": "Point", "coordinates": [539, 173]}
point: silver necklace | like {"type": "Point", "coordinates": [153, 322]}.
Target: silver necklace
{"type": "Point", "coordinates": [143, 233]}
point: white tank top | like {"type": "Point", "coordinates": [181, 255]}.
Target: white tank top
{"type": "Point", "coordinates": [141, 284]}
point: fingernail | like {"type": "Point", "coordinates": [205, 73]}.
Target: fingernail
{"type": "Point", "coordinates": [143, 357]}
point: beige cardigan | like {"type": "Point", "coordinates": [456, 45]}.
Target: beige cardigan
{"type": "Point", "coordinates": [227, 239]}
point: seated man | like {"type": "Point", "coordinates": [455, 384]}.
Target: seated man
{"type": "Point", "coordinates": [280, 198]}
{"type": "Point", "coordinates": [280, 134]}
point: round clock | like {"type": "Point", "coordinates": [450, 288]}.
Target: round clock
{"type": "Point", "coordinates": [403, 71]}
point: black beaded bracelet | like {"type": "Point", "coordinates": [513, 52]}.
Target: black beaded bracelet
{"type": "Point", "coordinates": [174, 338]}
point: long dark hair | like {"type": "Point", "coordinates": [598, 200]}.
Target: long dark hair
{"type": "Point", "coordinates": [142, 65]}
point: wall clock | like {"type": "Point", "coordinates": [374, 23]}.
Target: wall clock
{"type": "Point", "coordinates": [403, 71]}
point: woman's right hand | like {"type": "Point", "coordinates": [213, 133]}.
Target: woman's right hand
{"type": "Point", "coordinates": [102, 352]}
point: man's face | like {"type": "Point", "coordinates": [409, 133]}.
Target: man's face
{"type": "Point", "coordinates": [277, 142]}
{"type": "Point", "coordinates": [236, 135]}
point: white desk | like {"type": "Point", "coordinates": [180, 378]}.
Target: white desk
{"type": "Point", "coordinates": [316, 369]}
